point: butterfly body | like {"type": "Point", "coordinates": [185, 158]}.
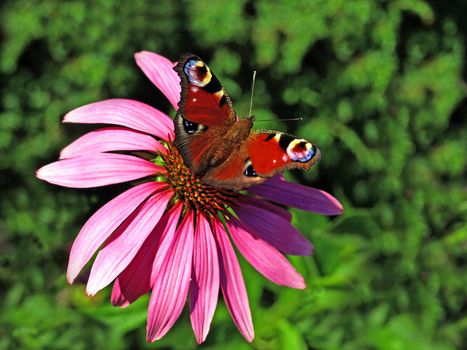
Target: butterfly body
{"type": "Point", "coordinates": [221, 148]}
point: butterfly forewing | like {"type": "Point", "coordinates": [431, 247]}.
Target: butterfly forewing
{"type": "Point", "coordinates": [284, 151]}
{"type": "Point", "coordinates": [205, 112]}
{"type": "Point", "coordinates": [203, 99]}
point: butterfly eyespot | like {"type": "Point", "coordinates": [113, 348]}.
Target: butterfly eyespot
{"type": "Point", "coordinates": [197, 72]}
{"type": "Point", "coordinates": [249, 170]}
{"type": "Point", "coordinates": [191, 127]}
{"type": "Point", "coordinates": [301, 151]}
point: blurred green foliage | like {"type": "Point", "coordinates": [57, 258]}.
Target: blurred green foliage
{"type": "Point", "coordinates": [380, 85]}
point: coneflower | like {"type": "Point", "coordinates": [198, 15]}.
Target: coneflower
{"type": "Point", "coordinates": [169, 234]}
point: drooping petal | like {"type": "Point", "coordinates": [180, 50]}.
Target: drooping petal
{"type": "Point", "coordinates": [119, 111]}
{"type": "Point", "coordinates": [120, 251]}
{"type": "Point", "coordinates": [298, 196]}
{"type": "Point", "coordinates": [204, 286]}
{"type": "Point", "coordinates": [261, 203]}
{"type": "Point", "coordinates": [111, 139]}
{"type": "Point", "coordinates": [265, 258]}
{"type": "Point", "coordinates": [135, 280]}
{"type": "Point", "coordinates": [232, 284]}
{"type": "Point", "coordinates": [104, 221]}
{"type": "Point", "coordinates": [273, 229]}
{"type": "Point", "coordinates": [97, 170]}
{"type": "Point", "coordinates": [161, 73]}
{"type": "Point", "coordinates": [117, 297]}
{"type": "Point", "coordinates": [168, 235]}
{"type": "Point", "coordinates": [171, 284]}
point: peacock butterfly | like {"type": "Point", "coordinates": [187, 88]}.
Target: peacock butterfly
{"type": "Point", "coordinates": [218, 146]}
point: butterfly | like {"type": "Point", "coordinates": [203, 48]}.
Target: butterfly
{"type": "Point", "coordinates": [219, 147]}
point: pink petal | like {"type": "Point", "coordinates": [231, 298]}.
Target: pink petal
{"type": "Point", "coordinates": [261, 203]}
{"type": "Point", "coordinates": [111, 139]}
{"type": "Point", "coordinates": [168, 236]}
{"type": "Point", "coordinates": [104, 221]}
{"type": "Point", "coordinates": [135, 280]}
{"type": "Point", "coordinates": [132, 114]}
{"type": "Point", "coordinates": [204, 286]}
{"type": "Point", "coordinates": [273, 229]}
{"type": "Point", "coordinates": [232, 284]}
{"type": "Point", "coordinates": [170, 287]}
{"type": "Point", "coordinates": [120, 251]}
{"type": "Point", "coordinates": [117, 298]}
{"type": "Point", "coordinates": [265, 258]}
{"type": "Point", "coordinates": [161, 73]}
{"type": "Point", "coordinates": [97, 170]}
{"type": "Point", "coordinates": [298, 196]}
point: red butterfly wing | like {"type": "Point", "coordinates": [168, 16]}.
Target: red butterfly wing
{"type": "Point", "coordinates": [205, 113]}
{"type": "Point", "coordinates": [272, 152]}
{"type": "Point", "coordinates": [203, 99]}
{"type": "Point", "coordinates": [205, 108]}
{"type": "Point", "coordinates": [262, 155]}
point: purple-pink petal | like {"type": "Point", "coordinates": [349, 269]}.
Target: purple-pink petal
{"type": "Point", "coordinates": [161, 73]}
{"type": "Point", "coordinates": [232, 284]}
{"type": "Point", "coordinates": [264, 204]}
{"type": "Point", "coordinates": [265, 258]}
{"type": "Point", "coordinates": [122, 248]}
{"type": "Point", "coordinates": [298, 196]}
{"type": "Point", "coordinates": [274, 229]}
{"type": "Point", "coordinates": [111, 139]}
{"type": "Point", "coordinates": [97, 170]}
{"type": "Point", "coordinates": [171, 284]}
{"type": "Point", "coordinates": [135, 280]}
{"type": "Point", "coordinates": [168, 235]}
{"type": "Point", "coordinates": [104, 221]}
{"type": "Point", "coordinates": [204, 286]}
{"type": "Point", "coordinates": [130, 113]}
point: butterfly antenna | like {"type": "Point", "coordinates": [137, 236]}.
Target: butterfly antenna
{"type": "Point", "coordinates": [283, 119]}
{"type": "Point", "coordinates": [252, 92]}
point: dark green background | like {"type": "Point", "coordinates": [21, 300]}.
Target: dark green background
{"type": "Point", "coordinates": [381, 88]}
